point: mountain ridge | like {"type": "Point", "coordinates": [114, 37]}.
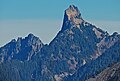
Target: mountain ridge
{"type": "Point", "coordinates": [77, 47]}
{"type": "Point", "coordinates": [14, 48]}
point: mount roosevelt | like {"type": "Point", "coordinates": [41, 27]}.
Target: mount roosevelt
{"type": "Point", "coordinates": [79, 52]}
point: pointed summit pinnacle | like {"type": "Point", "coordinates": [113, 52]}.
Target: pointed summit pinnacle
{"type": "Point", "coordinates": [72, 17]}
{"type": "Point", "coordinates": [72, 12]}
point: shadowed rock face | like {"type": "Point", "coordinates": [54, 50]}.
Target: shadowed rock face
{"type": "Point", "coordinates": [111, 73]}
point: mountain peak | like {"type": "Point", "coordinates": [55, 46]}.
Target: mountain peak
{"type": "Point", "coordinates": [72, 17]}
{"type": "Point", "coordinates": [22, 48]}
{"type": "Point", "coordinates": [72, 11]}
{"type": "Point", "coordinates": [31, 35]}
{"type": "Point", "coordinates": [32, 40]}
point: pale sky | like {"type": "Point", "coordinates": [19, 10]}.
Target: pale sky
{"type": "Point", "coordinates": [44, 18]}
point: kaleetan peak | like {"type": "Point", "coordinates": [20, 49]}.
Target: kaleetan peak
{"type": "Point", "coordinates": [72, 16]}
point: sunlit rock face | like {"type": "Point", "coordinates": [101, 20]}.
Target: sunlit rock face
{"type": "Point", "coordinates": [72, 17]}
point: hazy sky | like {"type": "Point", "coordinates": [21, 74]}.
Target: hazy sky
{"type": "Point", "coordinates": [44, 18]}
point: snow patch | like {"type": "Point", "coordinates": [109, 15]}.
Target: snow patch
{"type": "Point", "coordinates": [98, 34]}
{"type": "Point", "coordinates": [84, 62]}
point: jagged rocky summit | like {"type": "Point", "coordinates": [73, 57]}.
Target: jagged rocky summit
{"type": "Point", "coordinates": [21, 49]}
{"type": "Point", "coordinates": [79, 52]}
{"type": "Point", "coordinates": [72, 17]}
